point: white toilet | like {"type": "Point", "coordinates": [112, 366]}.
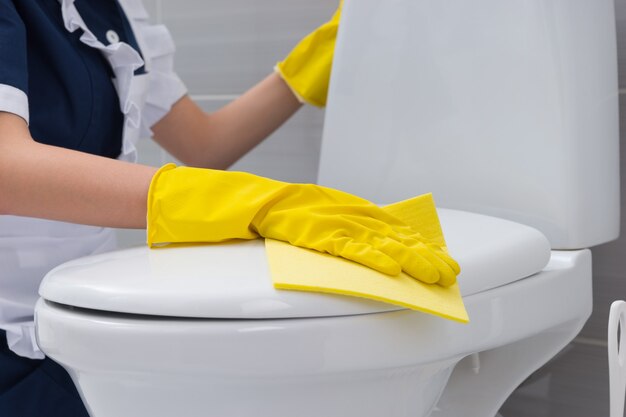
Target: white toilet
{"type": "Point", "coordinates": [506, 111]}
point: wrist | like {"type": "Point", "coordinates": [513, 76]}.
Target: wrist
{"type": "Point", "coordinates": [283, 79]}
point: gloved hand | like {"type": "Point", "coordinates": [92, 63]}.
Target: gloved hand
{"type": "Point", "coordinates": [203, 205]}
{"type": "Point", "coordinates": [307, 67]}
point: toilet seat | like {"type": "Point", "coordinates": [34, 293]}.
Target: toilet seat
{"type": "Point", "coordinates": [232, 280]}
{"type": "Point", "coordinates": [130, 355]}
{"type": "Point", "coordinates": [130, 364]}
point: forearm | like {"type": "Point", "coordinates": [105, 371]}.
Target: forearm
{"type": "Point", "coordinates": [219, 139]}
{"type": "Point", "coordinates": [48, 182]}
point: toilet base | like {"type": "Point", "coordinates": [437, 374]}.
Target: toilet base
{"type": "Point", "coordinates": [392, 364]}
{"type": "Point", "coordinates": [480, 391]}
{"type": "Point", "coordinates": [390, 392]}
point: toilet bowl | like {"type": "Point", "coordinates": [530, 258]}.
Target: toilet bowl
{"type": "Point", "coordinates": [200, 331]}
{"type": "Point", "coordinates": [506, 111]}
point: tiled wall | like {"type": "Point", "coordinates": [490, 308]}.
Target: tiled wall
{"type": "Point", "coordinates": [225, 46]}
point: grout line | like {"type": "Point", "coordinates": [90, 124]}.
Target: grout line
{"type": "Point", "coordinates": [590, 342]}
{"type": "Point", "coordinates": [214, 97]}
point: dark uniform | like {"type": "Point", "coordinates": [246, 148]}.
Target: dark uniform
{"type": "Point", "coordinates": [65, 89]}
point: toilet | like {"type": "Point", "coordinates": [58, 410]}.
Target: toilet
{"type": "Point", "coordinates": [506, 111]}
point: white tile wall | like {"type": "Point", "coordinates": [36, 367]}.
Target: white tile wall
{"type": "Point", "coordinates": [152, 6]}
{"type": "Point", "coordinates": [226, 46]}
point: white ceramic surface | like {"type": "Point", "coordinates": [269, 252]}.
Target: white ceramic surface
{"type": "Point", "coordinates": [507, 108]}
{"type": "Point", "coordinates": [394, 364]}
{"type": "Point", "coordinates": [233, 281]}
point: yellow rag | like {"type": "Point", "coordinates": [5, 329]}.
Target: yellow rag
{"type": "Point", "coordinates": [295, 268]}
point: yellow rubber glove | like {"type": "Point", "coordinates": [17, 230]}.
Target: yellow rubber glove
{"type": "Point", "coordinates": [307, 67]}
{"type": "Point", "coordinates": [203, 205]}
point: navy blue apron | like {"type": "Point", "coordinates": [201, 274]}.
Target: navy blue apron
{"type": "Point", "coordinates": [35, 388]}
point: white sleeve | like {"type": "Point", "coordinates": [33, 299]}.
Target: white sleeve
{"type": "Point", "coordinates": [157, 47]}
{"type": "Point", "coordinates": [165, 86]}
{"type": "Point", "coordinates": [13, 61]}
{"type": "Point", "coordinates": [13, 100]}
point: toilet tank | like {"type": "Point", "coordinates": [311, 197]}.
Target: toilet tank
{"type": "Point", "coordinates": [503, 107]}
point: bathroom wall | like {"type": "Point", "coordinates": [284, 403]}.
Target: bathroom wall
{"type": "Point", "coordinates": [225, 46]}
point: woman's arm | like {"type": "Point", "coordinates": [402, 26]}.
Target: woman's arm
{"type": "Point", "coordinates": [44, 181]}
{"type": "Point", "coordinates": [219, 139]}
{"type": "Point", "coordinates": [38, 180]}
{"type": "Point", "coordinates": [49, 182]}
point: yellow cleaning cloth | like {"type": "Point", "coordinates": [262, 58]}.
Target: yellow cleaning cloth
{"type": "Point", "coordinates": [294, 268]}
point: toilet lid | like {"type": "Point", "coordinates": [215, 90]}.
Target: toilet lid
{"type": "Point", "coordinates": [232, 280]}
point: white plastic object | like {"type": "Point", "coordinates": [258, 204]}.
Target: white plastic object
{"type": "Point", "coordinates": [617, 357]}
{"type": "Point", "coordinates": [232, 280]}
{"type": "Point", "coordinates": [505, 108]}
{"type": "Point", "coordinates": [393, 364]}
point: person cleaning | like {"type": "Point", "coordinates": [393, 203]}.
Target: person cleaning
{"type": "Point", "coordinates": [80, 83]}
